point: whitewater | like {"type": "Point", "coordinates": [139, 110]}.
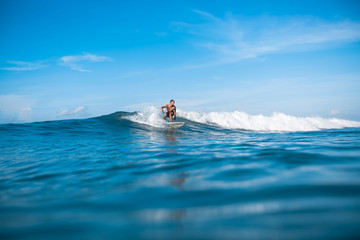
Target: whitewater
{"type": "Point", "coordinates": [243, 121]}
{"type": "Point", "coordinates": [223, 175]}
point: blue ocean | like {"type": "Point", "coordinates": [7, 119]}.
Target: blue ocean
{"type": "Point", "coordinates": [223, 175]}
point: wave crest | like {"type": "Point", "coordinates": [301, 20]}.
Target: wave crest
{"type": "Point", "coordinates": [275, 122]}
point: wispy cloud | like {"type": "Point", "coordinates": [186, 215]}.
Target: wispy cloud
{"type": "Point", "coordinates": [23, 66]}
{"type": "Point", "coordinates": [207, 15]}
{"type": "Point", "coordinates": [76, 111]}
{"type": "Point", "coordinates": [234, 38]}
{"type": "Point", "coordinates": [76, 62]}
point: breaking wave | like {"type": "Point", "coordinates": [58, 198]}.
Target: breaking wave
{"type": "Point", "coordinates": [240, 120]}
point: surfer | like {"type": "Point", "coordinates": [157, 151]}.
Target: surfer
{"type": "Point", "coordinates": [170, 110]}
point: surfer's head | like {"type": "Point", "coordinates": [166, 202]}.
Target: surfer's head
{"type": "Point", "coordinates": [172, 101]}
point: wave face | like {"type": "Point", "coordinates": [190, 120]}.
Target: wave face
{"type": "Point", "coordinates": [223, 175]}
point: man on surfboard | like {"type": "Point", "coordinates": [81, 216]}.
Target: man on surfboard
{"type": "Point", "coordinates": [170, 110]}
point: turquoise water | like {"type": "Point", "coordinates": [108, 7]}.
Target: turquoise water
{"type": "Point", "coordinates": [112, 177]}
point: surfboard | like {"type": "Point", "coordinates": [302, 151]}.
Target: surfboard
{"type": "Point", "coordinates": [175, 124]}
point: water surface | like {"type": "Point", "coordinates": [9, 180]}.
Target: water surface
{"type": "Point", "coordinates": [112, 177]}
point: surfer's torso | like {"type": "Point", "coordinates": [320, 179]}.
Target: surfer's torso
{"type": "Point", "coordinates": [170, 109]}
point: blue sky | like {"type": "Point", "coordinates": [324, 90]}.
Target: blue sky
{"type": "Point", "coordinates": [74, 59]}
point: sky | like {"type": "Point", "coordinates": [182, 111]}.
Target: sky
{"type": "Point", "coordinates": [77, 59]}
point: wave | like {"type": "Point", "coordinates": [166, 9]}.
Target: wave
{"type": "Point", "coordinates": [152, 116]}
{"type": "Point", "coordinates": [239, 120]}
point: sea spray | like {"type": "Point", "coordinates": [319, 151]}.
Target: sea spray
{"type": "Point", "coordinates": [151, 116]}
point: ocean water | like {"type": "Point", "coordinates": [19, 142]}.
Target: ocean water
{"type": "Point", "coordinates": [220, 176]}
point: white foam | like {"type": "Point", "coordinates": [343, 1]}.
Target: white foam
{"type": "Point", "coordinates": [151, 116]}
{"type": "Point", "coordinates": [275, 122]}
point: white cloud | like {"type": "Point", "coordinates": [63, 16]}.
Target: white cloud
{"type": "Point", "coordinates": [334, 112]}
{"type": "Point", "coordinates": [234, 39]}
{"type": "Point", "coordinates": [76, 111]}
{"type": "Point", "coordinates": [75, 62]}
{"type": "Point", "coordinates": [15, 108]}
{"type": "Point", "coordinates": [23, 66]}
{"type": "Point", "coordinates": [25, 114]}
{"type": "Point", "coordinates": [26, 109]}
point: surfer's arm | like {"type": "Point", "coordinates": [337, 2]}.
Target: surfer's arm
{"type": "Point", "coordinates": [163, 108]}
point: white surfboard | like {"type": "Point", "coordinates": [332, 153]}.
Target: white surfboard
{"type": "Point", "coordinates": [175, 124]}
